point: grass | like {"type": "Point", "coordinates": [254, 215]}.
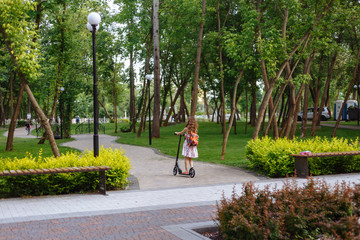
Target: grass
{"type": "Point", "coordinates": [22, 146]}
{"type": "Point", "coordinates": [210, 141]}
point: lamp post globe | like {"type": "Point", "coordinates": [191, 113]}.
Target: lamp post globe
{"type": "Point", "coordinates": [94, 18]}
{"type": "Point", "coordinates": [149, 77]}
{"type": "Point", "coordinates": [90, 27]}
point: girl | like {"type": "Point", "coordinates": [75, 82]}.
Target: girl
{"type": "Point", "coordinates": [189, 152]}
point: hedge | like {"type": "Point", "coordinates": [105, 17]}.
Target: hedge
{"type": "Point", "coordinates": [272, 157]}
{"type": "Point", "coordinates": [314, 211]}
{"type": "Point", "coordinates": [51, 184]}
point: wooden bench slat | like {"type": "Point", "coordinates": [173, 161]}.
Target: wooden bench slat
{"type": "Point", "coordinates": [301, 161]}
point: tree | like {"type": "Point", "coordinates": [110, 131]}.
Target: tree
{"type": "Point", "coordinates": [156, 109]}
{"type": "Point", "coordinates": [18, 33]}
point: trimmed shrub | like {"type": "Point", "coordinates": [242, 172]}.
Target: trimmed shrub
{"type": "Point", "coordinates": [272, 157]}
{"type": "Point", "coordinates": [61, 183]}
{"type": "Point", "coordinates": [314, 211]}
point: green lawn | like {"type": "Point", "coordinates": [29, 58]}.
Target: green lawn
{"type": "Point", "coordinates": [210, 142]}
{"type": "Point", "coordinates": [22, 146]}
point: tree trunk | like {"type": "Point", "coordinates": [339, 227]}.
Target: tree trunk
{"type": "Point", "coordinates": [114, 96]}
{"type": "Point", "coordinates": [167, 89]}
{"type": "Point", "coordinates": [246, 110]}
{"type": "Point", "coordinates": [206, 106]}
{"type": "Point", "coordinates": [146, 93]}
{"type": "Point", "coordinates": [177, 94]}
{"type": "Point", "coordinates": [233, 110]}
{"type": "Point", "coordinates": [316, 99]}
{"type": "Point", "coordinates": [197, 64]}
{"type": "Point", "coordinates": [297, 109]}
{"type": "Point", "coordinates": [143, 118]}
{"type": "Point", "coordinates": [44, 121]}
{"type": "Point", "coordinates": [56, 95]}
{"type": "Point", "coordinates": [223, 113]}
{"type": "Point", "coordinates": [10, 138]}
{"type": "Point", "coordinates": [40, 113]}
{"type": "Point", "coordinates": [157, 84]}
{"type": "Point", "coordinates": [106, 111]}
{"type": "Point", "coordinates": [347, 93]}
{"type": "Point", "coordinates": [2, 112]}
{"type": "Point", "coordinates": [12, 79]}
{"type": "Point", "coordinates": [265, 102]}
{"type": "Point", "coordinates": [272, 114]}
{"type": "Point", "coordinates": [253, 105]}
{"type": "Point", "coordinates": [132, 94]}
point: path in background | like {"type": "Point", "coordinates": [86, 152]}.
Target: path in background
{"type": "Point", "coordinates": [154, 171]}
{"type": "Point", "coordinates": [21, 132]}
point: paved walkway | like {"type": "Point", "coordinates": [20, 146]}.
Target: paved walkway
{"type": "Point", "coordinates": [165, 210]}
{"type": "Point", "coordinates": [154, 170]}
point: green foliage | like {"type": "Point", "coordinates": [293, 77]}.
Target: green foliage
{"type": "Point", "coordinates": [125, 129]}
{"type": "Point", "coordinates": [272, 157]}
{"type": "Point", "coordinates": [21, 123]}
{"type": "Point", "coordinates": [20, 32]}
{"type": "Point", "coordinates": [313, 211]}
{"type": "Point", "coordinates": [64, 183]}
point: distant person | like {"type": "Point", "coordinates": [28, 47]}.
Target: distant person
{"type": "Point", "coordinates": [77, 119]}
{"type": "Point", "coordinates": [189, 152]}
{"type": "Point", "coordinates": [28, 127]}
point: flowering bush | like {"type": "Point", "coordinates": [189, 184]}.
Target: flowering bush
{"type": "Point", "coordinates": [272, 157]}
{"type": "Point", "coordinates": [64, 182]}
{"type": "Point", "coordinates": [314, 211]}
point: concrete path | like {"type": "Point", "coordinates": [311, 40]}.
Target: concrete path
{"type": "Point", "coordinates": [154, 170]}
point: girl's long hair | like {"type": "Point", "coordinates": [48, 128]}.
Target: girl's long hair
{"type": "Point", "coordinates": [192, 125]}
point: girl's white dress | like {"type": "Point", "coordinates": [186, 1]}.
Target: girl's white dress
{"type": "Point", "coordinates": [190, 152]}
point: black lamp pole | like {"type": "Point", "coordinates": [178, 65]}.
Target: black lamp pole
{"type": "Point", "coordinates": [95, 94]}
{"type": "Point", "coordinates": [358, 107]}
{"type": "Point", "coordinates": [61, 117]}
{"type": "Point", "coordinates": [149, 114]}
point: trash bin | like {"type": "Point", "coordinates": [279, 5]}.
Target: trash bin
{"type": "Point", "coordinates": [353, 113]}
{"type": "Point", "coordinates": [351, 104]}
{"type": "Point", "coordinates": [337, 108]}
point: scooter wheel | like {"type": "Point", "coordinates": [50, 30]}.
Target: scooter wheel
{"type": "Point", "coordinates": [192, 172]}
{"type": "Point", "coordinates": [175, 171]}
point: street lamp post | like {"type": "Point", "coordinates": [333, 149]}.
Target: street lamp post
{"type": "Point", "coordinates": [94, 20]}
{"type": "Point", "coordinates": [149, 77]}
{"type": "Point", "coordinates": [61, 113]}
{"type": "Point", "coordinates": [357, 89]}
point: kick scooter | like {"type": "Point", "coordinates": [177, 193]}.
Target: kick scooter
{"type": "Point", "coordinates": [177, 169]}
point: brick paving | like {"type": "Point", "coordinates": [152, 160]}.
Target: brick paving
{"type": "Point", "coordinates": [133, 225]}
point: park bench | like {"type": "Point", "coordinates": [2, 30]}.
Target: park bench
{"type": "Point", "coordinates": [302, 164]}
{"type": "Point", "coordinates": [100, 169]}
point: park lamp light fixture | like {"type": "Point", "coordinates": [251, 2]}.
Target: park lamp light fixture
{"type": "Point", "coordinates": [149, 77]}
{"type": "Point", "coordinates": [94, 20]}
